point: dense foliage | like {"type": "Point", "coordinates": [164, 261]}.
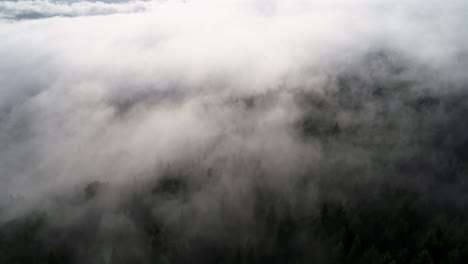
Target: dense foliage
{"type": "Point", "coordinates": [396, 227]}
{"type": "Point", "coordinates": [390, 187]}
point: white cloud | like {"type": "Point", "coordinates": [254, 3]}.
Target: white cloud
{"type": "Point", "coordinates": [62, 77]}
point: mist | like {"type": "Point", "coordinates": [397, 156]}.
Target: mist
{"type": "Point", "coordinates": [168, 131]}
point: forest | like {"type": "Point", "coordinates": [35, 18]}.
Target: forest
{"type": "Point", "coordinates": [390, 186]}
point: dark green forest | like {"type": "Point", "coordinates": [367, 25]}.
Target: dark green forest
{"type": "Point", "coordinates": [388, 188]}
{"type": "Point", "coordinates": [396, 227]}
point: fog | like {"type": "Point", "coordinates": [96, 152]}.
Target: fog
{"type": "Point", "coordinates": [230, 96]}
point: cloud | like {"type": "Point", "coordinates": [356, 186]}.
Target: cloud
{"type": "Point", "coordinates": [35, 9]}
{"type": "Point", "coordinates": [207, 85]}
{"type": "Point", "coordinates": [203, 116]}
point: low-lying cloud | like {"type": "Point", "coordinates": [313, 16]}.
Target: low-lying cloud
{"type": "Point", "coordinates": [110, 97]}
{"type": "Point", "coordinates": [228, 96]}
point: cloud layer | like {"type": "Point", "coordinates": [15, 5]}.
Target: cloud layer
{"type": "Point", "coordinates": [208, 117]}
{"type": "Point", "coordinates": [233, 93]}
